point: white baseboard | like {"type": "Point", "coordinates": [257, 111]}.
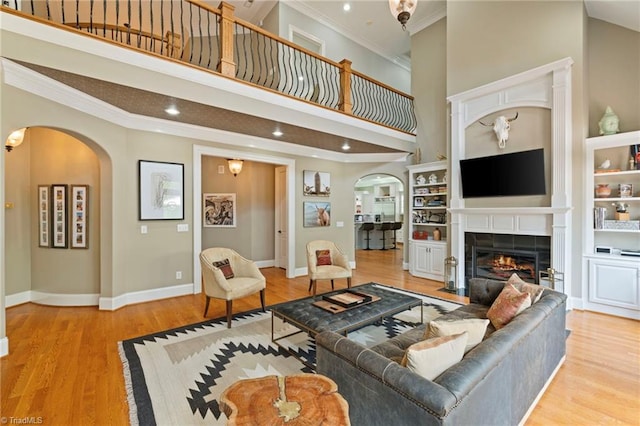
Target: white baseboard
{"type": "Point", "coordinates": [542, 391]}
{"type": "Point", "coordinates": [405, 266]}
{"type": "Point", "coordinates": [17, 299]}
{"type": "Point", "coordinates": [4, 346]}
{"type": "Point", "coordinates": [104, 303]}
{"type": "Point", "coordinates": [51, 299]}
{"type": "Point", "coordinates": [265, 263]}
{"type": "Point", "coordinates": [54, 299]}
{"type": "Point", "coordinates": [575, 303]}
{"type": "Point", "coordinates": [113, 303]}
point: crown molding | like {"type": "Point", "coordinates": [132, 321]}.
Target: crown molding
{"type": "Point", "coordinates": [417, 26]}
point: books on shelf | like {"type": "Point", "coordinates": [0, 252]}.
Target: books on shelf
{"type": "Point", "coordinates": [599, 214]}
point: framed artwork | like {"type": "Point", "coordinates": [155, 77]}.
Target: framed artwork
{"type": "Point", "coordinates": [316, 214]}
{"type": "Point", "coordinates": [219, 210]}
{"type": "Point", "coordinates": [79, 216]}
{"type": "Point", "coordinates": [161, 190]}
{"type": "Point", "coordinates": [59, 209]}
{"type": "Point", "coordinates": [316, 183]}
{"type": "Point", "coordinates": [43, 215]}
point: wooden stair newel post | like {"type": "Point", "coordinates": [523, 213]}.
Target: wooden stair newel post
{"type": "Point", "coordinates": [345, 87]}
{"type": "Point", "coordinates": [226, 66]}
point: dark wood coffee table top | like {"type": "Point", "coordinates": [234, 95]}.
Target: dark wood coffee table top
{"type": "Point", "coordinates": [304, 315]}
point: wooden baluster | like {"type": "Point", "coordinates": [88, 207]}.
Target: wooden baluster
{"type": "Point", "coordinates": [345, 104]}
{"type": "Point", "coordinates": [226, 66]}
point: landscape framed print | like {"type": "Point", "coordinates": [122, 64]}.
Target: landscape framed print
{"type": "Point", "coordinates": [59, 209]}
{"type": "Point", "coordinates": [79, 216]}
{"type": "Point", "coordinates": [44, 231]}
{"type": "Point", "coordinates": [160, 190]}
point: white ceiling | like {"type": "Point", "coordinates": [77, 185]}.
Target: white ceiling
{"type": "Point", "coordinates": [370, 23]}
{"type": "Point", "coordinates": [625, 13]}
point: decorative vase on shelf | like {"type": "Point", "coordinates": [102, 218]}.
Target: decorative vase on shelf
{"type": "Point", "coordinates": [603, 190]}
{"type": "Point", "coordinates": [609, 123]}
{"type": "Point", "coordinates": [436, 234]}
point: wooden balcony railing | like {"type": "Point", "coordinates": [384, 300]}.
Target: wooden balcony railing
{"type": "Point", "coordinates": [213, 38]}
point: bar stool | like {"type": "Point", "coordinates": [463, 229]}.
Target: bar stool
{"type": "Point", "coordinates": [394, 228]}
{"type": "Point", "coordinates": [384, 227]}
{"type": "Point", "coordinates": [367, 227]}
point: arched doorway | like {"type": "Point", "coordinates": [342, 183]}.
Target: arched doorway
{"type": "Point", "coordinates": [54, 229]}
{"type": "Point", "coordinates": [379, 212]}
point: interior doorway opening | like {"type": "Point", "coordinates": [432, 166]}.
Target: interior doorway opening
{"type": "Point", "coordinates": [379, 212]}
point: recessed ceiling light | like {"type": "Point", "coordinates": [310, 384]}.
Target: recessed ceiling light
{"type": "Point", "coordinates": [277, 133]}
{"type": "Point", "coordinates": [300, 78]}
{"type": "Point", "coordinates": [346, 146]}
{"type": "Point", "coordinates": [172, 110]}
{"type": "Point", "coordinates": [346, 7]}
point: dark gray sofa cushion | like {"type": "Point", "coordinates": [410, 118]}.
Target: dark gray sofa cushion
{"type": "Point", "coordinates": [494, 384]}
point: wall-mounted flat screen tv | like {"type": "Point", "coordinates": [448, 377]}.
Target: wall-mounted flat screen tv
{"type": "Point", "coordinates": [518, 173]}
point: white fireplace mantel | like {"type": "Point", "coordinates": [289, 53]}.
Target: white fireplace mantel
{"type": "Point", "coordinates": [547, 86]}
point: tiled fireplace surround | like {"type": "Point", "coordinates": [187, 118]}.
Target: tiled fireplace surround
{"type": "Point", "coordinates": [531, 251]}
{"type": "Point", "coordinates": [545, 227]}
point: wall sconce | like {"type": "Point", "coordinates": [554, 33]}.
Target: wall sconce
{"type": "Point", "coordinates": [402, 10]}
{"type": "Point", "coordinates": [235, 166]}
{"type": "Point", "coordinates": [15, 139]}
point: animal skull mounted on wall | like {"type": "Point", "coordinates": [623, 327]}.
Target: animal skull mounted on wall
{"type": "Point", "coordinates": [501, 126]}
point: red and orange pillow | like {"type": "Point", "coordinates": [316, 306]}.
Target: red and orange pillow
{"type": "Point", "coordinates": [323, 257]}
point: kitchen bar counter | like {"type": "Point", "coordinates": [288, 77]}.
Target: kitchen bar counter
{"type": "Point", "coordinates": [376, 236]}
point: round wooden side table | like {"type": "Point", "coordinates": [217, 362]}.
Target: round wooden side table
{"type": "Point", "coordinates": [301, 399]}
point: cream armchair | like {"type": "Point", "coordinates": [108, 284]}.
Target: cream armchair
{"type": "Point", "coordinates": [246, 280]}
{"type": "Point", "coordinates": [339, 267]}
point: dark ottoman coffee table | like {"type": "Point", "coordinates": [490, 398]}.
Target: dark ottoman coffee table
{"type": "Point", "coordinates": [311, 319]}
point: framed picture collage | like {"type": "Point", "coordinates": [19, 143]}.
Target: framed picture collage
{"type": "Point", "coordinates": [63, 216]}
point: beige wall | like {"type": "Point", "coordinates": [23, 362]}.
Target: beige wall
{"type": "Point", "coordinates": [531, 130]}
{"type": "Point", "coordinates": [490, 40]}
{"type": "Point", "coordinates": [18, 219]}
{"type": "Point", "coordinates": [614, 74]}
{"type": "Point", "coordinates": [429, 88]}
{"type": "Point", "coordinates": [57, 158]}
{"type": "Point", "coordinates": [131, 261]}
{"type": "Point", "coordinates": [254, 234]}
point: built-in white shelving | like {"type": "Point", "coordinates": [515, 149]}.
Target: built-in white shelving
{"type": "Point", "coordinates": [428, 213]}
{"type": "Point", "coordinates": [613, 280]}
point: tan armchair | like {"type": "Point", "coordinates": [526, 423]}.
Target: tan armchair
{"type": "Point", "coordinates": [339, 267]}
{"type": "Point", "coordinates": [246, 280]}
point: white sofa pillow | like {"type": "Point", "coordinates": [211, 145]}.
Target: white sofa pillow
{"type": "Point", "coordinates": [476, 327]}
{"type": "Point", "coordinates": [429, 358]}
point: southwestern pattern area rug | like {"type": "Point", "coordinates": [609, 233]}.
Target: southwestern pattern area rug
{"type": "Point", "coordinates": [177, 376]}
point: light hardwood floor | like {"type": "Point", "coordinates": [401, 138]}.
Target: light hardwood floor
{"type": "Point", "coordinates": [64, 365]}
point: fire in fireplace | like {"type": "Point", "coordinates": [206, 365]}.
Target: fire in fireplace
{"type": "Point", "coordinates": [500, 264]}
